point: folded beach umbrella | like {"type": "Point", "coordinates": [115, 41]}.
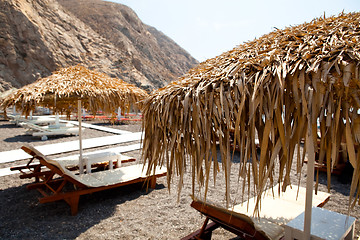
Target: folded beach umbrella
{"type": "Point", "coordinates": [278, 88]}
{"type": "Point", "coordinates": [5, 94]}
{"type": "Point", "coordinates": [74, 87]}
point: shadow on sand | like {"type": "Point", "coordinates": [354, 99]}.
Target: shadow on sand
{"type": "Point", "coordinates": [31, 139]}
{"type": "Point", "coordinates": [23, 217]}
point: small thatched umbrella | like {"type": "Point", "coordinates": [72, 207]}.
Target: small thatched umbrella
{"type": "Point", "coordinates": [277, 87]}
{"type": "Point", "coordinates": [69, 88]}
{"type": "Point", "coordinates": [61, 90]}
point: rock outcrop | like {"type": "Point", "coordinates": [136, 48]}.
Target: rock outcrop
{"type": "Point", "coordinates": [40, 36]}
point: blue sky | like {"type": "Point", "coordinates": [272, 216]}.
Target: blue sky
{"type": "Point", "coordinates": [207, 28]}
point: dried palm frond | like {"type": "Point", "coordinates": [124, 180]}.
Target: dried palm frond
{"type": "Point", "coordinates": [60, 91]}
{"type": "Point", "coordinates": [276, 88]}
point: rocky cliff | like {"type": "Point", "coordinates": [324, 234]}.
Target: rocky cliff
{"type": "Point", "coordinates": [39, 36]}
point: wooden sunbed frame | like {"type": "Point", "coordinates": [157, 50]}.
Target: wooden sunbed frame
{"type": "Point", "coordinates": [341, 159]}
{"type": "Point", "coordinates": [238, 224]}
{"type": "Point", "coordinates": [233, 221]}
{"type": "Point", "coordinates": [50, 181]}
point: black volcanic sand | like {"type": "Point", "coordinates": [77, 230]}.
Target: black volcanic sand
{"type": "Point", "coordinates": [128, 212]}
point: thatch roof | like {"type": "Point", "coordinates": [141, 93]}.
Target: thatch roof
{"type": "Point", "coordinates": [6, 93]}
{"type": "Point", "coordinates": [59, 91]}
{"type": "Point", "coordinates": [275, 88]}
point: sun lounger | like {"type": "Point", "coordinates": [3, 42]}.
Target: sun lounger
{"type": "Point", "coordinates": [276, 212]}
{"type": "Point", "coordinates": [39, 120]}
{"type": "Point", "coordinates": [50, 130]}
{"type": "Point", "coordinates": [35, 128]}
{"type": "Point", "coordinates": [50, 126]}
{"type": "Point", "coordinates": [60, 179]}
{"type": "Point", "coordinates": [35, 169]}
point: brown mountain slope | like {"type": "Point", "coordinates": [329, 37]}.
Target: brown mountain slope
{"type": "Point", "coordinates": [40, 36]}
{"type": "Point", "coordinates": [144, 45]}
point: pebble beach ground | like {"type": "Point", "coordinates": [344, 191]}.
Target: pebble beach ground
{"type": "Point", "coordinates": [128, 212]}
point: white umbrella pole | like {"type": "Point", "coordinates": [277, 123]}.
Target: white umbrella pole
{"type": "Point", "coordinates": [57, 120]}
{"type": "Point", "coordinates": [310, 173]}
{"type": "Point", "coordinates": [309, 187]}
{"type": "Point", "coordinates": [119, 113]}
{"type": "Point", "coordinates": [81, 164]}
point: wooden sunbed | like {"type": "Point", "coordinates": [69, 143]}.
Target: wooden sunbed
{"type": "Point", "coordinates": [59, 180]}
{"type": "Point", "coordinates": [276, 211]}
{"type": "Point", "coordinates": [341, 160]}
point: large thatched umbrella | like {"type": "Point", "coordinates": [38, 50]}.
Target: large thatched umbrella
{"type": "Point", "coordinates": [277, 88]}
{"type": "Point", "coordinates": [69, 88]}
